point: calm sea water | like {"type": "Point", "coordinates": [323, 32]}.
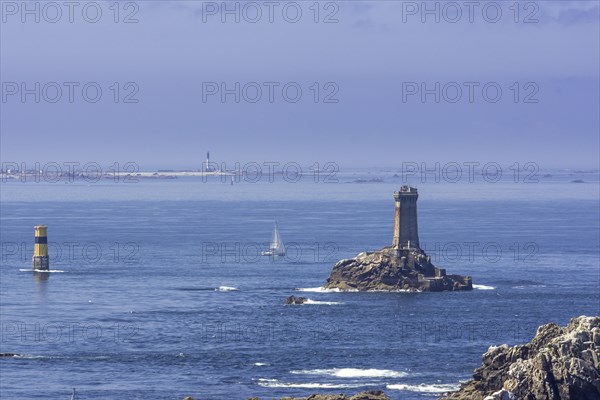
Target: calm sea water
{"type": "Point", "coordinates": [163, 295]}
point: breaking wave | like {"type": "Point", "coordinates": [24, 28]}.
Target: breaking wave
{"type": "Point", "coordinates": [274, 383]}
{"type": "Point", "coordinates": [41, 270]}
{"type": "Point", "coordinates": [27, 356]}
{"type": "Point", "coordinates": [337, 290]}
{"type": "Point", "coordinates": [424, 388]}
{"type": "Point", "coordinates": [529, 286]}
{"type": "Point", "coordinates": [483, 287]}
{"type": "Point", "coordinates": [323, 290]}
{"type": "Point", "coordinates": [327, 303]}
{"type": "Point", "coordinates": [226, 289]}
{"type": "Point", "coordinates": [353, 373]}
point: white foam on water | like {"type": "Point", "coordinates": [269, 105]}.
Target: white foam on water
{"type": "Point", "coordinates": [483, 287]}
{"type": "Point", "coordinates": [353, 373]}
{"type": "Point", "coordinates": [226, 289]}
{"type": "Point", "coordinates": [30, 356]}
{"type": "Point", "coordinates": [40, 270]}
{"type": "Point", "coordinates": [529, 286]}
{"type": "Point", "coordinates": [327, 303]}
{"type": "Point", "coordinates": [424, 388]}
{"type": "Point", "coordinates": [337, 290]}
{"type": "Point", "coordinates": [259, 364]}
{"type": "Point", "coordinates": [274, 383]}
{"type": "Point", "coordinates": [323, 290]}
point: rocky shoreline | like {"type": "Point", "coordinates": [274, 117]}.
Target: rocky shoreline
{"type": "Point", "coordinates": [559, 363]}
{"type": "Point", "coordinates": [391, 269]}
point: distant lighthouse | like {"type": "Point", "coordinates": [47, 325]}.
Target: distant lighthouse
{"type": "Point", "coordinates": [40, 259]}
{"type": "Point", "coordinates": [406, 231]}
{"type": "Point", "coordinates": [207, 166]}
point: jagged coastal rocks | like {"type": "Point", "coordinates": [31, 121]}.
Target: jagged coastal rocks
{"type": "Point", "coordinates": [401, 266]}
{"type": "Point", "coordinates": [390, 270]}
{"type": "Point", "coordinates": [559, 363]}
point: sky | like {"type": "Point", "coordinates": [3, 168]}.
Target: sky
{"type": "Point", "coordinates": [358, 83]}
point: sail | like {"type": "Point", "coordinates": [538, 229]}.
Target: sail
{"type": "Point", "coordinates": [277, 246]}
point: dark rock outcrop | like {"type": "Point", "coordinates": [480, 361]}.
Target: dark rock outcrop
{"type": "Point", "coordinates": [9, 355]}
{"type": "Point", "coordinates": [295, 300]}
{"type": "Point", "coordinates": [391, 269]}
{"type": "Point", "coordinates": [559, 363]}
{"type": "Point", "coordinates": [369, 395]}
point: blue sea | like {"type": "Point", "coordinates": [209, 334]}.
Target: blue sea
{"type": "Point", "coordinates": [158, 290]}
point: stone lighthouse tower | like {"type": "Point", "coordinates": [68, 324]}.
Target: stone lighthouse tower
{"type": "Point", "coordinates": [406, 231]}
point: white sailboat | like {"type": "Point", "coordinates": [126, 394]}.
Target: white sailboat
{"type": "Point", "coordinates": [276, 248]}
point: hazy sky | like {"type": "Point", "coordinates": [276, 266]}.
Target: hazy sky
{"type": "Point", "coordinates": [376, 60]}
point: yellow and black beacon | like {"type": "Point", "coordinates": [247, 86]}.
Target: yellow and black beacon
{"type": "Point", "coordinates": [41, 260]}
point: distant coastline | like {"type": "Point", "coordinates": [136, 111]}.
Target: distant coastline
{"type": "Point", "coordinates": [36, 176]}
{"type": "Point", "coordinates": [350, 177]}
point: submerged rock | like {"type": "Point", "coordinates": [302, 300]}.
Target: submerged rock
{"type": "Point", "coordinates": [559, 363]}
{"type": "Point", "coordinates": [392, 269]}
{"type": "Point", "coordinates": [369, 395]}
{"type": "Point", "coordinates": [295, 300]}
{"type": "Point", "coordinates": [9, 355]}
